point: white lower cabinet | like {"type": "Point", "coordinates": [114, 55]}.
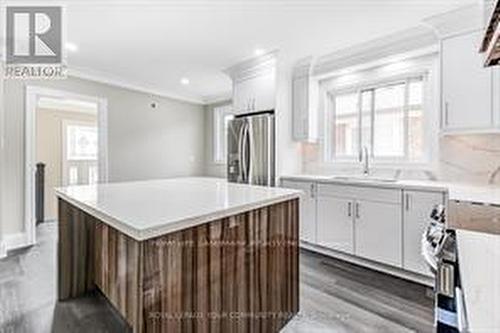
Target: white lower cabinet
{"type": "Point", "coordinates": [378, 231]}
{"type": "Point", "coordinates": [335, 223]}
{"type": "Point", "coordinates": [307, 223]}
{"type": "Point", "coordinates": [384, 225]}
{"type": "Point", "coordinates": [364, 221]}
{"type": "Point", "coordinates": [417, 208]}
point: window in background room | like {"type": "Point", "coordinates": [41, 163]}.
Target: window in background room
{"type": "Point", "coordinates": [81, 142]}
{"type": "Point", "coordinates": [386, 118]}
{"type": "Point", "coordinates": [80, 153]}
{"type": "Point", "coordinates": [221, 117]}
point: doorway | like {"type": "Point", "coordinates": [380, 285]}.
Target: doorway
{"type": "Point", "coordinates": [66, 144]}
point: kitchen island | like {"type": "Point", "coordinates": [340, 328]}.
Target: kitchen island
{"type": "Point", "coordinates": [184, 254]}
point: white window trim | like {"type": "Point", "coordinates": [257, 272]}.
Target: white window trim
{"type": "Point", "coordinates": [216, 128]}
{"type": "Point", "coordinates": [358, 86]}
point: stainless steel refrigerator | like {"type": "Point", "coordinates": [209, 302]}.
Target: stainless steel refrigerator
{"type": "Point", "coordinates": [251, 149]}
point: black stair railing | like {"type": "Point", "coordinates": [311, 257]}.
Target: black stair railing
{"type": "Point", "coordinates": [40, 192]}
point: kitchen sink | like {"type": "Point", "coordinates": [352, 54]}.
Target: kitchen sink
{"type": "Point", "coordinates": [364, 179]}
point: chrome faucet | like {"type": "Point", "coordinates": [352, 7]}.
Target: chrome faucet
{"type": "Point", "coordinates": [365, 158]}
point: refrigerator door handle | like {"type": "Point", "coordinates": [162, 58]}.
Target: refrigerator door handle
{"type": "Point", "coordinates": [241, 156]}
{"type": "Point", "coordinates": [244, 155]}
{"type": "Point", "coordinates": [250, 152]}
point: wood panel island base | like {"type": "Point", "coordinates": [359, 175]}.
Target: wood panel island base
{"type": "Point", "coordinates": [236, 273]}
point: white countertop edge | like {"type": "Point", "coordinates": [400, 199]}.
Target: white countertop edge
{"type": "Point", "coordinates": [161, 230]}
{"type": "Point", "coordinates": [111, 221]}
{"type": "Point", "coordinates": [405, 184]}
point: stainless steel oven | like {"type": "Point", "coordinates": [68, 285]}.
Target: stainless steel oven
{"type": "Point", "coordinates": [439, 248]}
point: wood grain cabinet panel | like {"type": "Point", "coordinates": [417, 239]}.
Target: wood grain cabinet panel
{"type": "Point", "coordinates": [237, 274]}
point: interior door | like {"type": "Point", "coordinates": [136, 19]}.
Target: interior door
{"type": "Point", "coordinates": [335, 223]}
{"type": "Point", "coordinates": [378, 231]}
{"type": "Point", "coordinates": [307, 221]}
{"type": "Point", "coordinates": [417, 209]}
{"type": "Point", "coordinates": [79, 162]}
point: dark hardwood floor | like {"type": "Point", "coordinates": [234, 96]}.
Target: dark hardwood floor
{"type": "Point", "coordinates": [335, 297]}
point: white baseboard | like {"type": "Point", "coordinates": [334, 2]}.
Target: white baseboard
{"type": "Point", "coordinates": [16, 241]}
{"type": "Point", "coordinates": [401, 273]}
{"type": "Point", "coordinates": [3, 250]}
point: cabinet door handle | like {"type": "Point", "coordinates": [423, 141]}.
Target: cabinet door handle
{"type": "Point", "coordinates": [407, 202]}
{"type": "Point", "coordinates": [357, 210]}
{"type": "Point", "coordinates": [349, 209]}
{"type": "Point", "coordinates": [313, 188]}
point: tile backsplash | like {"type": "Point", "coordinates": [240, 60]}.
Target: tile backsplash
{"type": "Point", "coordinates": [469, 158]}
{"type": "Point", "coordinates": [462, 158]}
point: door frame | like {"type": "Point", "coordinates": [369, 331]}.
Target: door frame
{"type": "Point", "coordinates": [32, 93]}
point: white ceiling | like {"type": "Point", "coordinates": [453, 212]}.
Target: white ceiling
{"type": "Point", "coordinates": [153, 44]}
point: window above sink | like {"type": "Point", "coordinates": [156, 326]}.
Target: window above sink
{"type": "Point", "coordinates": [388, 109]}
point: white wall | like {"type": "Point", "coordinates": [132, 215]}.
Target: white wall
{"type": "Point", "coordinates": [143, 143]}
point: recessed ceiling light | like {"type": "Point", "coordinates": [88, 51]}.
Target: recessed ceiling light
{"type": "Point", "coordinates": [72, 47]}
{"type": "Point", "coordinates": [259, 52]}
{"type": "Point", "coordinates": [185, 81]}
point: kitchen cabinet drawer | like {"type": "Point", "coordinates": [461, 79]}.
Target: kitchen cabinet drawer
{"type": "Point", "coordinates": [416, 215]}
{"type": "Point", "coordinates": [307, 208]}
{"type": "Point", "coordinates": [360, 192]}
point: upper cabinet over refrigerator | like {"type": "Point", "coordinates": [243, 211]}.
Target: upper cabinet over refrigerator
{"type": "Point", "coordinates": [254, 84]}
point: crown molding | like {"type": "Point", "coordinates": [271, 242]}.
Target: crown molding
{"type": "Point", "coordinates": [219, 98]}
{"type": "Point", "coordinates": [105, 78]}
{"type": "Point", "coordinates": [401, 42]}
{"type": "Point", "coordinates": [461, 20]}
{"type": "Point", "coordinates": [253, 67]}
{"type": "Point", "coordinates": [303, 67]}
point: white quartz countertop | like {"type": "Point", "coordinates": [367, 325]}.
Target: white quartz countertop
{"type": "Point", "coordinates": [479, 260]}
{"type": "Point", "coordinates": [148, 209]}
{"type": "Point", "coordinates": [461, 192]}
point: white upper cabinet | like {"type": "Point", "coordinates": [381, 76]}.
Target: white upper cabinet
{"type": "Point", "coordinates": [496, 95]}
{"type": "Point", "coordinates": [304, 103]}
{"type": "Point", "coordinates": [416, 214]}
{"type": "Point", "coordinates": [307, 208]}
{"type": "Point", "coordinates": [467, 91]}
{"type": "Point", "coordinates": [254, 84]}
